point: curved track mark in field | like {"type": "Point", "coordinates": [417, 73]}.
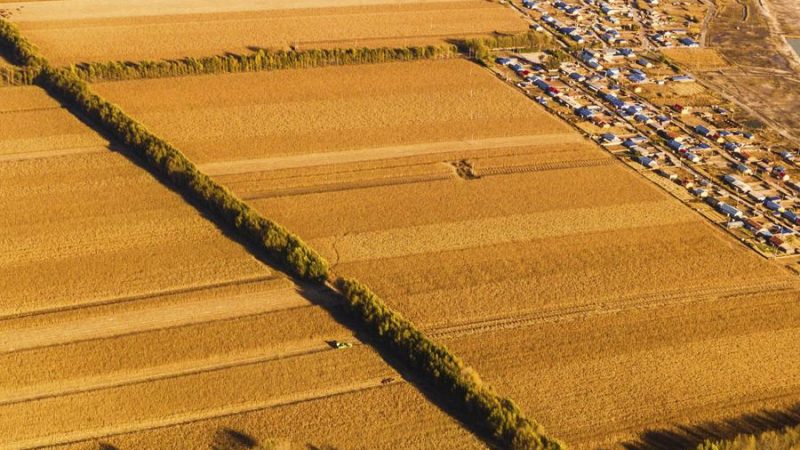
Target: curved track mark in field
{"type": "Point", "coordinates": [381, 153]}
{"type": "Point", "coordinates": [146, 375]}
{"type": "Point", "coordinates": [594, 309]}
{"type": "Point", "coordinates": [337, 187]}
{"type": "Point", "coordinates": [151, 317]}
{"type": "Point", "coordinates": [197, 416]}
{"type": "Point", "coordinates": [23, 156]}
{"type": "Point", "coordinates": [138, 297]}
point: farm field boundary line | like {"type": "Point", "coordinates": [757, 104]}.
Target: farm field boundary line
{"type": "Point", "coordinates": [181, 419]}
{"type": "Point", "coordinates": [594, 309]}
{"type": "Point", "coordinates": [338, 187]}
{"type": "Point", "coordinates": [137, 297]}
{"type": "Point", "coordinates": [23, 110]}
{"type": "Point", "coordinates": [258, 61]}
{"type": "Point", "coordinates": [24, 156]}
{"type": "Point", "coordinates": [461, 391]}
{"type": "Point", "coordinates": [382, 153]}
{"type": "Point", "coordinates": [159, 317]}
{"type": "Point", "coordinates": [145, 375]}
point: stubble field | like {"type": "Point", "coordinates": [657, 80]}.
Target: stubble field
{"type": "Point", "coordinates": [125, 311]}
{"type": "Point", "coordinates": [83, 31]}
{"type": "Point", "coordinates": [553, 230]}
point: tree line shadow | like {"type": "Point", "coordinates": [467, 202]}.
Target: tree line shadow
{"type": "Point", "coordinates": [690, 436]}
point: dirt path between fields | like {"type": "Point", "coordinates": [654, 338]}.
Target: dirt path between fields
{"type": "Point", "coordinates": [151, 317]}
{"type": "Point", "coordinates": [381, 153]}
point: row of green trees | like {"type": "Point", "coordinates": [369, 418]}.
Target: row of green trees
{"type": "Point", "coordinates": [13, 76]}
{"type": "Point", "coordinates": [433, 362]}
{"type": "Point", "coordinates": [260, 60]}
{"type": "Point", "coordinates": [17, 49]}
{"type": "Point", "coordinates": [786, 439]}
{"type": "Point", "coordinates": [497, 415]}
{"type": "Point", "coordinates": [168, 162]}
{"type": "Point", "coordinates": [531, 41]}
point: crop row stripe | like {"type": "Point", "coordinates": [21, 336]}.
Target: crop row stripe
{"type": "Point", "coordinates": [486, 410]}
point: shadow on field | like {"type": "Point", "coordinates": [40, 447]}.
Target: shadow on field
{"type": "Point", "coordinates": [689, 437]}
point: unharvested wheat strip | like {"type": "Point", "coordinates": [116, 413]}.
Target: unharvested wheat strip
{"type": "Point", "coordinates": [436, 238]}
{"type": "Point", "coordinates": [179, 419]}
{"type": "Point", "coordinates": [152, 318]}
{"type": "Point", "coordinates": [375, 154]}
{"type": "Point", "coordinates": [148, 374]}
{"type": "Point", "coordinates": [52, 153]}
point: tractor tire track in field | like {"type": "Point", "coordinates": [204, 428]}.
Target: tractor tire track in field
{"type": "Point", "coordinates": [24, 156]}
{"type": "Point", "coordinates": [337, 187]}
{"type": "Point", "coordinates": [197, 416]}
{"type": "Point", "coordinates": [594, 309]}
{"type": "Point", "coordinates": [156, 317]}
{"type": "Point", "coordinates": [146, 375]}
{"type": "Point", "coordinates": [137, 297]}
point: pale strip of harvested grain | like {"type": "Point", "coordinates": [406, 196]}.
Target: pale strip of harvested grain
{"type": "Point", "coordinates": [316, 216]}
{"type": "Point", "coordinates": [177, 36]}
{"type": "Point", "coordinates": [387, 418]}
{"type": "Point", "coordinates": [88, 228]}
{"type": "Point", "coordinates": [613, 268]}
{"type": "Point", "coordinates": [96, 9]}
{"type": "Point", "coordinates": [332, 109]}
{"type": "Point", "coordinates": [452, 236]}
{"type": "Point", "coordinates": [486, 145]}
{"type": "Point", "coordinates": [603, 380]}
{"type": "Point", "coordinates": [165, 351]}
{"type": "Point", "coordinates": [97, 325]}
{"type": "Point", "coordinates": [232, 388]}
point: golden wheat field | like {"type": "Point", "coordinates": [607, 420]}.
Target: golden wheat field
{"type": "Point", "coordinates": [554, 244]}
{"type": "Point", "coordinates": [125, 311]}
{"type": "Point", "coordinates": [599, 378]}
{"type": "Point", "coordinates": [388, 417]}
{"type": "Point", "coordinates": [83, 225]}
{"type": "Point", "coordinates": [84, 31]}
{"type": "Point", "coordinates": [383, 107]}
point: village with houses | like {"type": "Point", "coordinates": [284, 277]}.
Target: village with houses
{"type": "Point", "coordinates": [619, 87]}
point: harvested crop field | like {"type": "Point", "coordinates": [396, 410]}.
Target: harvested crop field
{"type": "Point", "coordinates": [538, 240]}
{"type": "Point", "coordinates": [600, 379]}
{"type": "Point", "coordinates": [122, 300]}
{"type": "Point", "coordinates": [389, 417]}
{"type": "Point", "coordinates": [379, 107]}
{"type": "Point", "coordinates": [235, 357]}
{"type": "Point", "coordinates": [84, 31]}
{"type": "Point", "coordinates": [84, 225]}
{"type": "Point", "coordinates": [696, 58]}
